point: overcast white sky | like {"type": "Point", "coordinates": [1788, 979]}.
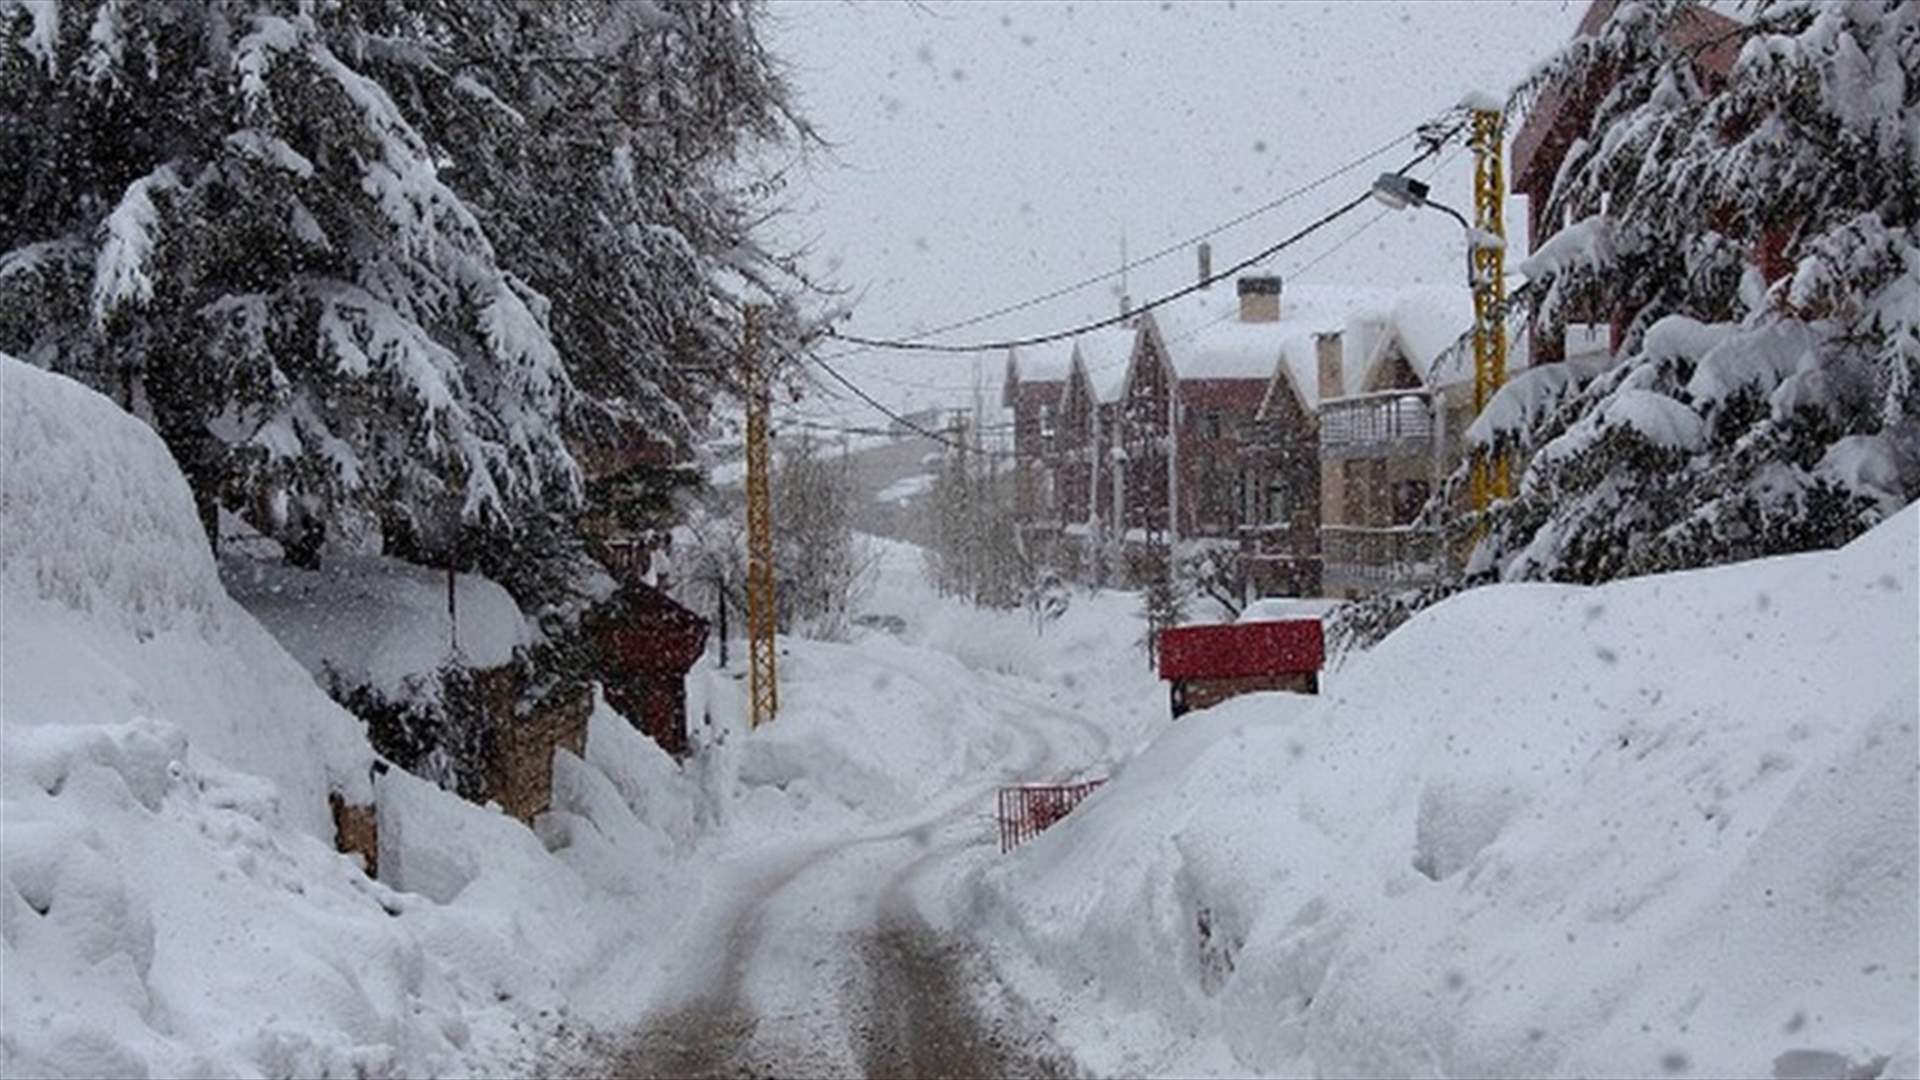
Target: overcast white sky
{"type": "Point", "coordinates": [988, 152]}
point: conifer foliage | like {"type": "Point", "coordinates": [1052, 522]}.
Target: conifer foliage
{"type": "Point", "coordinates": [1761, 246]}
{"type": "Point", "coordinates": [384, 267]}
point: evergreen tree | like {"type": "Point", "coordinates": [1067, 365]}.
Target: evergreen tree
{"type": "Point", "coordinates": [385, 266]}
{"type": "Point", "coordinates": [1761, 246]}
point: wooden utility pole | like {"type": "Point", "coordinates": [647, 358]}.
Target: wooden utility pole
{"type": "Point", "coordinates": [762, 686]}
{"type": "Point", "coordinates": [1491, 472]}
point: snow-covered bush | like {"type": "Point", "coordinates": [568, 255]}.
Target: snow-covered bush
{"type": "Point", "coordinates": [1748, 414]}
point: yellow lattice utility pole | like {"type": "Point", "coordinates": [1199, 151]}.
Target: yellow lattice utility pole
{"type": "Point", "coordinates": [1491, 472]}
{"type": "Point", "coordinates": [763, 689]}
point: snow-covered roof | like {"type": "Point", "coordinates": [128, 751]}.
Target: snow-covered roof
{"type": "Point", "coordinates": [1041, 363]}
{"type": "Point", "coordinates": [1102, 356]}
{"type": "Point", "coordinates": [1423, 322]}
{"type": "Point", "coordinates": [1205, 338]}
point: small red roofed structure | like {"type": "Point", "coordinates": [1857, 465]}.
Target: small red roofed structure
{"type": "Point", "coordinates": [649, 643]}
{"type": "Point", "coordinates": [1209, 664]}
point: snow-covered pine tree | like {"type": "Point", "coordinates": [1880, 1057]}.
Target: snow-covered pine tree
{"type": "Point", "coordinates": [1761, 246]}
{"type": "Point", "coordinates": [384, 263]}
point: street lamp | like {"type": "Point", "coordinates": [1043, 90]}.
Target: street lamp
{"type": "Point", "coordinates": [1400, 192]}
{"type": "Point", "coordinates": [1490, 480]}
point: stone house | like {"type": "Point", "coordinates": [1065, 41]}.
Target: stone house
{"type": "Point", "coordinates": [1196, 424]}
{"type": "Point", "coordinates": [1279, 485]}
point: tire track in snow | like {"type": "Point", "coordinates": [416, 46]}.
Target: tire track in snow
{"type": "Point", "coordinates": [889, 996]}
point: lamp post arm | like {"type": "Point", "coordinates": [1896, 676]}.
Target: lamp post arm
{"type": "Point", "coordinates": [1472, 237]}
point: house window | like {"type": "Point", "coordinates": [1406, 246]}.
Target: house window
{"type": "Point", "coordinates": [1276, 508]}
{"type": "Point", "coordinates": [1409, 498]}
{"type": "Point", "coordinates": [1046, 427]}
{"type": "Point", "coordinates": [1206, 423]}
{"type": "Point", "coordinates": [1263, 500]}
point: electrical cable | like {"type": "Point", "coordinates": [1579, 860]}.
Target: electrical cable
{"type": "Point", "coordinates": [911, 345]}
{"type": "Point", "coordinates": [1111, 320]}
{"type": "Point", "coordinates": [1432, 146]}
{"type": "Point", "coordinates": [1295, 272]}
{"type": "Point", "coordinates": [889, 413]}
{"type": "Point", "coordinates": [1169, 249]}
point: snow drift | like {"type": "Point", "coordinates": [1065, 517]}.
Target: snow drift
{"type": "Point", "coordinates": [1663, 826]}
{"type": "Point", "coordinates": [174, 904]}
{"type": "Point", "coordinates": [115, 608]}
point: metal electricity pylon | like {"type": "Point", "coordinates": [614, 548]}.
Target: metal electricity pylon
{"type": "Point", "coordinates": [763, 688]}
{"type": "Point", "coordinates": [1492, 477]}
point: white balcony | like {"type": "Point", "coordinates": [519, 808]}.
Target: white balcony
{"type": "Point", "coordinates": [1392, 423]}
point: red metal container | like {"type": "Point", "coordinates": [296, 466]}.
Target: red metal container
{"type": "Point", "coordinates": [1241, 650]}
{"type": "Point", "coordinates": [1206, 665]}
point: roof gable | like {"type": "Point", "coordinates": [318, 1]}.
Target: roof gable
{"type": "Point", "coordinates": [1423, 327]}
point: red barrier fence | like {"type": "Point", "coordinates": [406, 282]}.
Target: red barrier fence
{"type": "Point", "coordinates": [1025, 811]}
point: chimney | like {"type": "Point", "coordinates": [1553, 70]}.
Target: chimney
{"type": "Point", "coordinates": [1327, 350]}
{"type": "Point", "coordinates": [1260, 298]}
{"type": "Point", "coordinates": [1205, 251]}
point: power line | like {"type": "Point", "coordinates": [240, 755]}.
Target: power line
{"type": "Point", "coordinates": [1111, 320]}
{"type": "Point", "coordinates": [1301, 269]}
{"type": "Point", "coordinates": [911, 345]}
{"type": "Point", "coordinates": [1161, 253]}
{"type": "Point", "coordinates": [1432, 146]}
{"type": "Point", "coordinates": [883, 410]}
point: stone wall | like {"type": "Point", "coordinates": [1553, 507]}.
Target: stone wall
{"type": "Point", "coordinates": [520, 752]}
{"type": "Point", "coordinates": [356, 831]}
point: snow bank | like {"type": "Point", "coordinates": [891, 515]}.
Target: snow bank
{"type": "Point", "coordinates": [115, 610]}
{"type": "Point", "coordinates": [1662, 826]}
{"type": "Point", "coordinates": [166, 768]}
{"type": "Point", "coordinates": [379, 622]}
{"type": "Point", "coordinates": [173, 902]}
{"type": "Point", "coordinates": [159, 920]}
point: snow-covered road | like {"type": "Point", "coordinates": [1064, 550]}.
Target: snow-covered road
{"type": "Point", "coordinates": [833, 954]}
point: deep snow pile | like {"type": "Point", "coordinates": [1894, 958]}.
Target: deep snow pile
{"type": "Point", "coordinates": [378, 622]}
{"type": "Point", "coordinates": [173, 901]}
{"type": "Point", "coordinates": [1662, 826]}
{"type": "Point", "coordinates": [173, 904]}
{"type": "Point", "coordinates": [114, 609]}
{"type": "Point", "coordinates": [871, 728]}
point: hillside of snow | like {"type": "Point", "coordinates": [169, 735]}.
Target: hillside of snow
{"type": "Point", "coordinates": [1664, 826]}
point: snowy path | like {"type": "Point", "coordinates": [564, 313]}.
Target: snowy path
{"type": "Point", "coordinates": [829, 960]}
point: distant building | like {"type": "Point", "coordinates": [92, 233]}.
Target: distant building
{"type": "Point", "coordinates": [1193, 423]}
{"type": "Point", "coordinates": [1397, 390]}
{"type": "Point", "coordinates": [1035, 381]}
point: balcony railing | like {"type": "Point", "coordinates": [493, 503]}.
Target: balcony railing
{"type": "Point", "coordinates": [1362, 557]}
{"type": "Point", "coordinates": [1392, 423]}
